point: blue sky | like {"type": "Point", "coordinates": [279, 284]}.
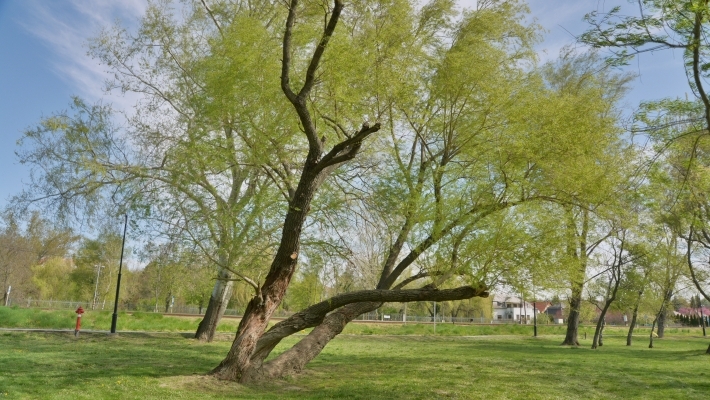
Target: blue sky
{"type": "Point", "coordinates": [43, 61]}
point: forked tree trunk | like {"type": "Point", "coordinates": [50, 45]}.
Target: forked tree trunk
{"type": "Point", "coordinates": [316, 168]}
{"type": "Point", "coordinates": [297, 357]}
{"type": "Point", "coordinates": [262, 306]}
{"type": "Point", "coordinates": [597, 341]}
{"type": "Point", "coordinates": [662, 314]}
{"type": "Point", "coordinates": [601, 323]}
{"type": "Point", "coordinates": [219, 299]}
{"type": "Point", "coordinates": [326, 328]}
{"type": "Point", "coordinates": [658, 317]}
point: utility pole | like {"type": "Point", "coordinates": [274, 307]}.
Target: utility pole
{"type": "Point", "coordinates": [534, 307]}
{"type": "Point", "coordinates": [434, 317]}
{"type": "Point", "coordinates": [114, 318]}
{"type": "Point", "coordinates": [96, 288]}
{"type": "Point", "coordinates": [7, 295]}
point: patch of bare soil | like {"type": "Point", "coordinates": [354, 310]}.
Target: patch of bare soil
{"type": "Point", "coordinates": [210, 384]}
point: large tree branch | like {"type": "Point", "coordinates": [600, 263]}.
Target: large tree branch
{"type": "Point", "coordinates": [286, 57]}
{"type": "Point", "coordinates": [347, 149]}
{"type": "Point", "coordinates": [477, 211]}
{"type": "Point", "coordinates": [211, 14]}
{"type": "Point", "coordinates": [315, 60]}
{"type": "Point", "coordinates": [314, 314]}
{"type": "Point", "coordinates": [299, 101]}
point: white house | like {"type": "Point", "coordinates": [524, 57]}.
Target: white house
{"type": "Point", "coordinates": [512, 309]}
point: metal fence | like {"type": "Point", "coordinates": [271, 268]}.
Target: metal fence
{"type": "Point", "coordinates": [192, 310]}
{"type": "Point", "coordinates": [420, 318]}
{"type": "Point", "coordinates": [108, 306]}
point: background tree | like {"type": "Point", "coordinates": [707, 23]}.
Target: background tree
{"type": "Point", "coordinates": [186, 160]}
{"type": "Point", "coordinates": [20, 249]}
{"type": "Point", "coordinates": [103, 252]}
{"type": "Point", "coordinates": [452, 153]}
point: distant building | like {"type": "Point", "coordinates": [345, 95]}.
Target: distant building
{"type": "Point", "coordinates": [556, 313]}
{"type": "Point", "coordinates": [512, 309]}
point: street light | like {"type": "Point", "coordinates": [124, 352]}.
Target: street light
{"type": "Point", "coordinates": [114, 318]}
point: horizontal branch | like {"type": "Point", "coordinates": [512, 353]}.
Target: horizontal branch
{"type": "Point", "coordinates": [314, 314]}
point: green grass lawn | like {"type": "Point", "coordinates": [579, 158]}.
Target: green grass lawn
{"type": "Point", "coordinates": [167, 366]}
{"type": "Point", "coordinates": [101, 320]}
{"type": "Point", "coordinates": [155, 322]}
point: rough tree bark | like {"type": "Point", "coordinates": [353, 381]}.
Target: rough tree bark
{"type": "Point", "coordinates": [575, 302]}
{"type": "Point", "coordinates": [577, 250]}
{"type": "Point", "coordinates": [215, 308]}
{"type": "Point", "coordinates": [328, 325]}
{"type": "Point", "coordinates": [662, 316]}
{"type": "Point", "coordinates": [315, 170]}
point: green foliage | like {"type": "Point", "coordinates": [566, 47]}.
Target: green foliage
{"type": "Point", "coordinates": [54, 278]}
{"type": "Point", "coordinates": [39, 250]}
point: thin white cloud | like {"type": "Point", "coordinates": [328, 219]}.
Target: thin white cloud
{"type": "Point", "coordinates": [66, 30]}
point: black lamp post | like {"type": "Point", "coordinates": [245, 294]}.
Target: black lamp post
{"type": "Point", "coordinates": [114, 318]}
{"type": "Point", "coordinates": [534, 307]}
{"type": "Point", "coordinates": [535, 317]}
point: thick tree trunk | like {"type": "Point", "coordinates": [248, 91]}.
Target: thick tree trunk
{"type": "Point", "coordinates": [661, 325]}
{"type": "Point", "coordinates": [597, 341]}
{"type": "Point", "coordinates": [219, 299]}
{"type": "Point", "coordinates": [662, 314]}
{"type": "Point", "coordinates": [328, 327]}
{"type": "Point", "coordinates": [262, 306]}
{"type": "Point", "coordinates": [658, 317]}
{"type": "Point", "coordinates": [348, 306]}
{"type": "Point", "coordinates": [708, 350]}
{"type": "Point", "coordinates": [297, 357]}
{"type": "Point", "coordinates": [575, 302]}
{"type": "Point", "coordinates": [316, 168]}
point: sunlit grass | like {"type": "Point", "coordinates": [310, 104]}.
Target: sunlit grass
{"type": "Point", "coordinates": [156, 322]}
{"type": "Point", "coordinates": [162, 366]}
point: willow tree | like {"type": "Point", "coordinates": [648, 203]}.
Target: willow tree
{"type": "Point", "coordinates": [600, 170]}
{"type": "Point", "coordinates": [183, 160]}
{"type": "Point", "coordinates": [470, 131]}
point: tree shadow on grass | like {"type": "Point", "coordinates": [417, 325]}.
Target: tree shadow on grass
{"type": "Point", "coordinates": [67, 361]}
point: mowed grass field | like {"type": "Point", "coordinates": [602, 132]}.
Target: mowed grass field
{"type": "Point", "coordinates": [369, 365]}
